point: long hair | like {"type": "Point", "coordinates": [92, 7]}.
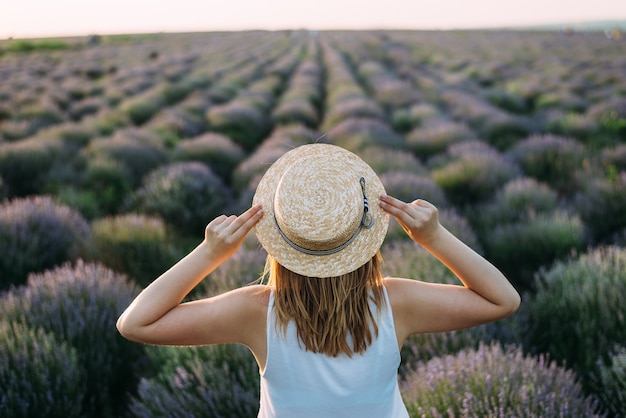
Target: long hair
{"type": "Point", "coordinates": [329, 312]}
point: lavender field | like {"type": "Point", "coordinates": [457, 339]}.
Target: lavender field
{"type": "Point", "coordinates": [115, 152]}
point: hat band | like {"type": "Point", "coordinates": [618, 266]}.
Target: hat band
{"type": "Point", "coordinates": [366, 222]}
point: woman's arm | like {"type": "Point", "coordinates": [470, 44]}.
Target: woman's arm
{"type": "Point", "coordinates": [426, 307]}
{"type": "Point", "coordinates": [157, 316]}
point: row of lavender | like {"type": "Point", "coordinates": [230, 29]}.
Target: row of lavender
{"type": "Point", "coordinates": [118, 155]}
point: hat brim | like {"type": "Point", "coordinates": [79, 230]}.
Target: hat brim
{"type": "Point", "coordinates": [360, 251]}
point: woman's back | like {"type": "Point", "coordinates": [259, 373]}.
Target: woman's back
{"type": "Point", "coordinates": [300, 383]}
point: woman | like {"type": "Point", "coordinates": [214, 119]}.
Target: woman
{"type": "Point", "coordinates": [327, 328]}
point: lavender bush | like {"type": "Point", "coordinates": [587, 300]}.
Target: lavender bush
{"type": "Point", "coordinates": [136, 245]}
{"type": "Point", "coordinates": [104, 185]}
{"type": "Point", "coordinates": [550, 159]}
{"type": "Point", "coordinates": [508, 100]}
{"type": "Point", "coordinates": [296, 111]}
{"type": "Point", "coordinates": [39, 374]}
{"type": "Point", "coordinates": [408, 118]}
{"type": "Point", "coordinates": [74, 136]}
{"type": "Point", "coordinates": [517, 201]}
{"type": "Point", "coordinates": [106, 122]}
{"type": "Point", "coordinates": [171, 124]}
{"type": "Point", "coordinates": [495, 382]}
{"type": "Point", "coordinates": [602, 205]}
{"type": "Point", "coordinates": [614, 157]}
{"type": "Point", "coordinates": [137, 151]}
{"type": "Point", "coordinates": [575, 314]}
{"type": "Point", "coordinates": [385, 159]}
{"type": "Point", "coordinates": [242, 122]}
{"type": "Point", "coordinates": [474, 177]}
{"type": "Point", "coordinates": [85, 107]}
{"type": "Point", "coordinates": [435, 137]}
{"type": "Point", "coordinates": [356, 134]}
{"type": "Point", "coordinates": [244, 267]}
{"type": "Point", "coordinates": [40, 114]}
{"type": "Point", "coordinates": [208, 381]}
{"type": "Point", "coordinates": [79, 306]}
{"type": "Point", "coordinates": [302, 100]}
{"type": "Point", "coordinates": [217, 151]}
{"type": "Point", "coordinates": [187, 195]}
{"type": "Point", "coordinates": [281, 140]}
{"type": "Point", "coordinates": [561, 99]}
{"type": "Point", "coordinates": [24, 164]}
{"type": "Point", "coordinates": [14, 129]}
{"type": "Point", "coordinates": [521, 248]}
{"type": "Point", "coordinates": [142, 107]}
{"type": "Point", "coordinates": [420, 348]}
{"type": "Point", "coordinates": [36, 234]}
{"type": "Point", "coordinates": [572, 125]}
{"type": "Point", "coordinates": [498, 127]}
{"type": "Point", "coordinates": [408, 186]}
{"type": "Point", "coordinates": [611, 383]}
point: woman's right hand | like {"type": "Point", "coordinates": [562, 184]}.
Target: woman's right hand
{"type": "Point", "coordinates": [226, 233]}
{"type": "Point", "coordinates": [419, 219]}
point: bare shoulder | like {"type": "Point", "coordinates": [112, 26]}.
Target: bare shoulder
{"type": "Point", "coordinates": [253, 296]}
{"type": "Point", "coordinates": [401, 291]}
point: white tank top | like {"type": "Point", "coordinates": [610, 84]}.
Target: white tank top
{"type": "Point", "coordinates": [299, 384]}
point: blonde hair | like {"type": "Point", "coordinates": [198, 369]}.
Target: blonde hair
{"type": "Point", "coordinates": [327, 311]}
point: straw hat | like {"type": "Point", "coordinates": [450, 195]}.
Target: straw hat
{"type": "Point", "coordinates": [321, 211]}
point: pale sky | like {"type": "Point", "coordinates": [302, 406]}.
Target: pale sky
{"type": "Point", "coordinates": [42, 18]}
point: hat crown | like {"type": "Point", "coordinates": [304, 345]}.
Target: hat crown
{"type": "Point", "coordinates": [316, 223]}
{"type": "Point", "coordinates": [318, 205]}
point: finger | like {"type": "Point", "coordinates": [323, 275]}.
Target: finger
{"type": "Point", "coordinates": [402, 211]}
{"type": "Point", "coordinates": [423, 203]}
{"type": "Point", "coordinates": [249, 218]}
{"type": "Point", "coordinates": [390, 200]}
{"type": "Point", "coordinates": [217, 221]}
{"type": "Point", "coordinates": [246, 221]}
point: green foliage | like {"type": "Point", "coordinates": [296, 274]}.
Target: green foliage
{"type": "Point", "coordinates": [519, 200]}
{"type": "Point", "coordinates": [614, 124]}
{"type": "Point", "coordinates": [217, 151]}
{"type": "Point", "coordinates": [23, 45]}
{"type": "Point", "coordinates": [243, 268]}
{"type": "Point", "coordinates": [244, 123]}
{"type": "Point", "coordinates": [405, 119]}
{"type": "Point", "coordinates": [520, 248]}
{"type": "Point", "coordinates": [507, 100]}
{"type": "Point", "coordinates": [136, 151]}
{"type": "Point", "coordinates": [611, 383]}
{"type": "Point", "coordinates": [550, 159]}
{"type": "Point", "coordinates": [434, 138]}
{"type": "Point", "coordinates": [473, 178]}
{"type": "Point", "coordinates": [110, 179]}
{"type": "Point", "coordinates": [405, 258]}
{"type": "Point", "coordinates": [602, 205]}
{"type": "Point", "coordinates": [137, 245]}
{"type": "Point", "coordinates": [576, 312]}
{"type": "Point", "coordinates": [141, 108]}
{"type": "Point", "coordinates": [39, 374]}
{"type": "Point", "coordinates": [573, 125]}
{"type": "Point", "coordinates": [24, 164]}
